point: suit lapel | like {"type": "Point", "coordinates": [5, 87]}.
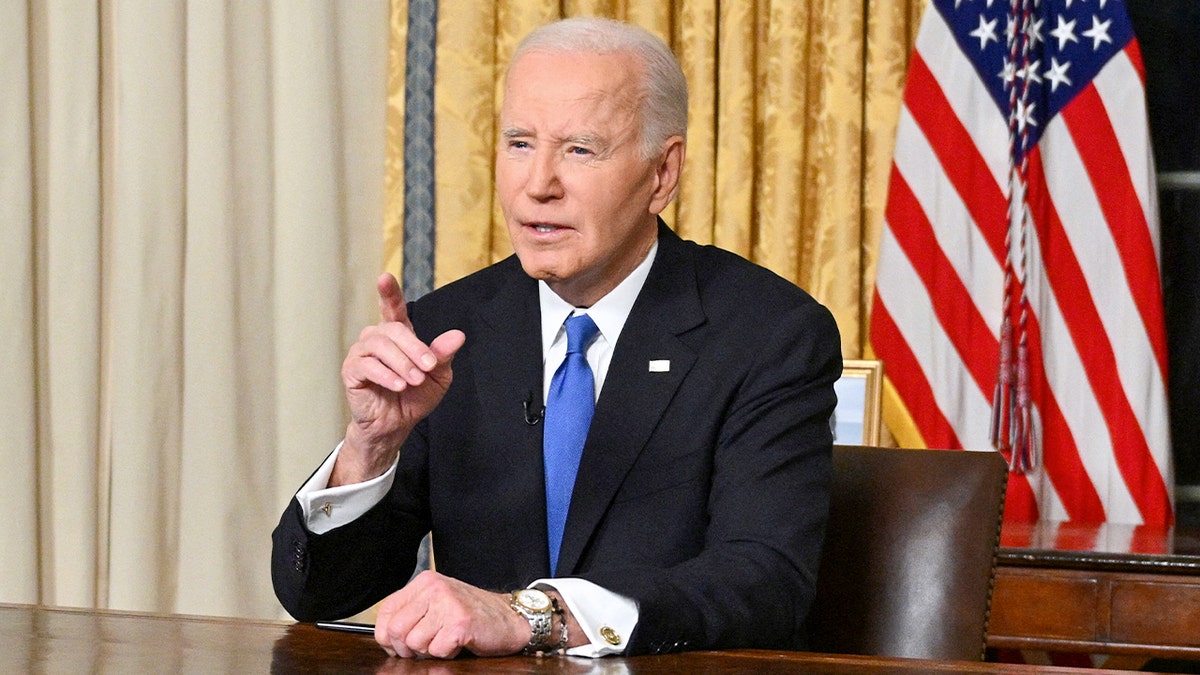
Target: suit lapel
{"type": "Point", "coordinates": [635, 394]}
{"type": "Point", "coordinates": [507, 368]}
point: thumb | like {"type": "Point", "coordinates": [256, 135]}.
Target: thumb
{"type": "Point", "coordinates": [446, 345]}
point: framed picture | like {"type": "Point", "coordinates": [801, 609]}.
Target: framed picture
{"type": "Point", "coordinates": [857, 417]}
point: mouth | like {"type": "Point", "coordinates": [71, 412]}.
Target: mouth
{"type": "Point", "coordinates": [546, 228]}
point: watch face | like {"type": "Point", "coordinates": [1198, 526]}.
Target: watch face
{"type": "Point", "coordinates": [533, 599]}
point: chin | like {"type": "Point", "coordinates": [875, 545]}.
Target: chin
{"type": "Point", "coordinates": [539, 273]}
{"type": "Point", "coordinates": [538, 267]}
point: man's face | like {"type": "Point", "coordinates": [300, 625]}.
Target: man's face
{"type": "Point", "coordinates": [579, 201]}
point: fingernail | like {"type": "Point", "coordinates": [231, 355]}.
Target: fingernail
{"type": "Point", "coordinates": [429, 360]}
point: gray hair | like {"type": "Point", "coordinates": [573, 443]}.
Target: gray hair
{"type": "Point", "coordinates": [663, 100]}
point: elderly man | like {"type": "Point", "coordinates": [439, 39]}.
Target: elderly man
{"type": "Point", "coordinates": [674, 492]}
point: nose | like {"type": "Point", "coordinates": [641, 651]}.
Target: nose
{"type": "Point", "coordinates": [544, 184]}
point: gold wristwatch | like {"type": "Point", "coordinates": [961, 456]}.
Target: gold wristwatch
{"type": "Point", "coordinates": [538, 609]}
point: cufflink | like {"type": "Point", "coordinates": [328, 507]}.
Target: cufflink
{"type": "Point", "coordinates": [327, 508]}
{"type": "Point", "coordinates": [610, 636]}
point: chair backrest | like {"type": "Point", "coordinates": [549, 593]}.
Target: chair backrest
{"type": "Point", "coordinates": [909, 553]}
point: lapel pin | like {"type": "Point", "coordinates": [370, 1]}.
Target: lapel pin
{"type": "Point", "coordinates": [660, 366]}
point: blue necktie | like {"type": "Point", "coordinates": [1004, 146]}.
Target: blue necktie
{"type": "Point", "coordinates": [569, 407]}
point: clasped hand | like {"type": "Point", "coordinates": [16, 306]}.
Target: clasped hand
{"type": "Point", "coordinates": [435, 615]}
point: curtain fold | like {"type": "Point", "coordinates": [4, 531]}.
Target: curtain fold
{"type": "Point", "coordinates": [793, 107]}
{"type": "Point", "coordinates": [18, 339]}
{"type": "Point", "coordinates": [191, 201]}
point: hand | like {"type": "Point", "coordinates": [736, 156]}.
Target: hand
{"type": "Point", "coordinates": [435, 615]}
{"type": "Point", "coordinates": [392, 381]}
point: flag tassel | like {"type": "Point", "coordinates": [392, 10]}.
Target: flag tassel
{"type": "Point", "coordinates": [1001, 413]}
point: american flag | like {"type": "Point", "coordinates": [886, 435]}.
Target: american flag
{"type": "Point", "coordinates": [1018, 300]}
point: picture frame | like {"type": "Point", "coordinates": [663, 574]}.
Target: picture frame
{"type": "Point", "coordinates": [857, 419]}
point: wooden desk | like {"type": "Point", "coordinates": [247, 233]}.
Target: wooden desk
{"type": "Point", "coordinates": [1098, 589]}
{"type": "Point", "coordinates": [40, 640]}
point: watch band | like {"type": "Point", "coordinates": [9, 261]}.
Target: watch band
{"type": "Point", "coordinates": [561, 647]}
{"type": "Point", "coordinates": [540, 621]}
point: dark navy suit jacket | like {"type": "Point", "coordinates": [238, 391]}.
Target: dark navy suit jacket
{"type": "Point", "coordinates": [703, 491]}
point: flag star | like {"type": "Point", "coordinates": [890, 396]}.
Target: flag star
{"type": "Point", "coordinates": [1008, 73]}
{"type": "Point", "coordinates": [1035, 32]}
{"type": "Point", "coordinates": [1064, 32]}
{"type": "Point", "coordinates": [1025, 115]}
{"type": "Point", "coordinates": [1057, 74]}
{"type": "Point", "coordinates": [986, 32]}
{"type": "Point", "coordinates": [1070, 1]}
{"type": "Point", "coordinates": [1030, 72]}
{"type": "Point", "coordinates": [1098, 32]}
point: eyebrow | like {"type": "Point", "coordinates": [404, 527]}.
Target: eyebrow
{"type": "Point", "coordinates": [574, 139]}
{"type": "Point", "coordinates": [515, 132]}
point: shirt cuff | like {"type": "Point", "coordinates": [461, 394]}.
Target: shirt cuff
{"type": "Point", "coordinates": [327, 508]}
{"type": "Point", "coordinates": [607, 619]}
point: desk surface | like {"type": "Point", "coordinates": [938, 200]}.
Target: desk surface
{"type": "Point", "coordinates": [42, 640]}
{"type": "Point", "coordinates": [1107, 547]}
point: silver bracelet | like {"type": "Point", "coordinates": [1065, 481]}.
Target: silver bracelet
{"type": "Point", "coordinates": [561, 647]}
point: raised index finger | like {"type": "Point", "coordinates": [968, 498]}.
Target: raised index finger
{"type": "Point", "coordinates": [391, 299]}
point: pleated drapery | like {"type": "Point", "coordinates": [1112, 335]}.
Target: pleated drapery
{"type": "Point", "coordinates": [190, 200]}
{"type": "Point", "coordinates": [793, 114]}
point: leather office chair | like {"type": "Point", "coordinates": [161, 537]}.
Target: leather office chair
{"type": "Point", "coordinates": [909, 553]}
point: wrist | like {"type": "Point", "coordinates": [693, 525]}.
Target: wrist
{"type": "Point", "coordinates": [358, 461]}
{"type": "Point", "coordinates": [548, 632]}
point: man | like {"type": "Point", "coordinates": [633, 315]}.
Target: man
{"type": "Point", "coordinates": [698, 504]}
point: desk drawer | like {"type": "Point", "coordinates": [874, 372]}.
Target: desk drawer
{"type": "Point", "coordinates": [1156, 611]}
{"type": "Point", "coordinates": [1106, 612]}
{"type": "Point", "coordinates": [1045, 604]}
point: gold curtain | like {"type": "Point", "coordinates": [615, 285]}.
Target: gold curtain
{"type": "Point", "coordinates": [793, 113]}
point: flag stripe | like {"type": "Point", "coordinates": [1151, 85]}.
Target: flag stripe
{"type": "Point", "coordinates": [1087, 331]}
{"type": "Point", "coordinates": [1064, 468]}
{"type": "Point", "coordinates": [1097, 145]}
{"type": "Point", "coordinates": [1121, 90]}
{"type": "Point", "coordinates": [967, 331]}
{"type": "Point", "coordinates": [1097, 254]}
{"type": "Point", "coordinates": [1084, 293]}
{"type": "Point", "coordinates": [954, 393]}
{"type": "Point", "coordinates": [959, 158]}
{"type": "Point", "coordinates": [933, 425]}
{"type": "Point", "coordinates": [1067, 389]}
{"type": "Point", "coordinates": [970, 255]}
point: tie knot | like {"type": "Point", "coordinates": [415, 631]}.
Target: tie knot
{"type": "Point", "coordinates": [581, 330]}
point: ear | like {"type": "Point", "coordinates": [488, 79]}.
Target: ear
{"type": "Point", "coordinates": [666, 174]}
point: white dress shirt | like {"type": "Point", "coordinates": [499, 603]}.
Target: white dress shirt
{"type": "Point", "coordinates": [593, 607]}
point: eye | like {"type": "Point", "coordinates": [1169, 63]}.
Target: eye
{"type": "Point", "coordinates": [579, 151]}
{"type": "Point", "coordinates": [518, 144]}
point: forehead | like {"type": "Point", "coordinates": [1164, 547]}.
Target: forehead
{"type": "Point", "coordinates": [544, 86]}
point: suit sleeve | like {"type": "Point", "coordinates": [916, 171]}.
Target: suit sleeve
{"type": "Point", "coordinates": [754, 580]}
{"type": "Point", "coordinates": [344, 571]}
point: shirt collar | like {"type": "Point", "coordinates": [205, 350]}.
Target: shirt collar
{"type": "Point", "coordinates": [609, 312]}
